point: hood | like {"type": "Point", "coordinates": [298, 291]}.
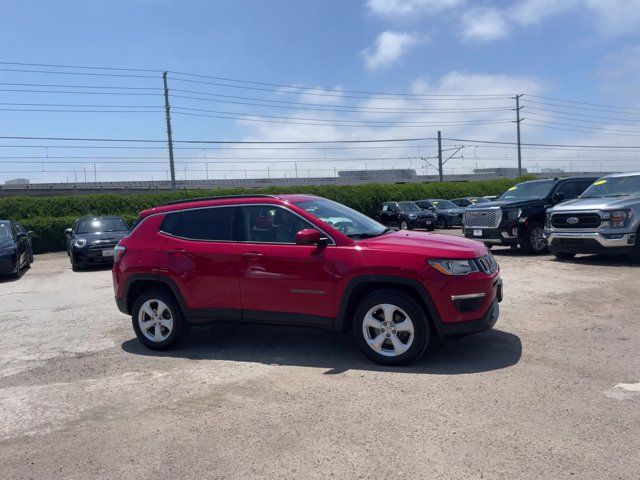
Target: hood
{"type": "Point", "coordinates": [599, 203]}
{"type": "Point", "coordinates": [507, 204]}
{"type": "Point", "coordinates": [434, 245]}
{"type": "Point", "coordinates": [103, 236]}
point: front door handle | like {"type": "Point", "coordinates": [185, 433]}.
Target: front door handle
{"type": "Point", "coordinates": [252, 255]}
{"type": "Point", "coordinates": [174, 251]}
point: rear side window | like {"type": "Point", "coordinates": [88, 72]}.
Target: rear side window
{"type": "Point", "coordinates": [201, 224]}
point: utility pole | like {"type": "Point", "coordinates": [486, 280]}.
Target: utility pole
{"type": "Point", "coordinates": [441, 179]}
{"type": "Point", "coordinates": [95, 174]}
{"type": "Point", "coordinates": [518, 120]}
{"type": "Point", "coordinates": [169, 137]}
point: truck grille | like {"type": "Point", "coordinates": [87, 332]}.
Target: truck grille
{"type": "Point", "coordinates": [482, 218]}
{"type": "Point", "coordinates": [487, 264]}
{"type": "Point", "coordinates": [575, 220]}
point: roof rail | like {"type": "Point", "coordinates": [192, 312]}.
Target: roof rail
{"type": "Point", "coordinates": [222, 197]}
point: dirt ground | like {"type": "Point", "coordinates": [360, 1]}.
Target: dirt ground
{"type": "Point", "coordinates": [551, 393]}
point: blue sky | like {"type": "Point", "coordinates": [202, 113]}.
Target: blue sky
{"type": "Point", "coordinates": [580, 50]}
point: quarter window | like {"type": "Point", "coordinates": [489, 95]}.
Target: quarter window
{"type": "Point", "coordinates": [202, 224]}
{"type": "Point", "coordinates": [269, 224]}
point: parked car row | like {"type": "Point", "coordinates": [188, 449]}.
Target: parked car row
{"type": "Point", "coordinates": [92, 240]}
{"type": "Point", "coordinates": [16, 249]}
{"type": "Point", "coordinates": [430, 214]}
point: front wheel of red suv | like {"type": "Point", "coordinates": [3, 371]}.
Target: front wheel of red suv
{"type": "Point", "coordinates": [157, 320]}
{"type": "Point", "coordinates": [391, 328]}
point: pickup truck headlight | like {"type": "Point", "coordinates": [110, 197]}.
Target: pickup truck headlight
{"type": "Point", "coordinates": [454, 267]}
{"type": "Point", "coordinates": [618, 218]}
{"type": "Point", "coordinates": [413, 216]}
{"type": "Point", "coordinates": [80, 242]}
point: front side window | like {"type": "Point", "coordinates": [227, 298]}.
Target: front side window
{"type": "Point", "coordinates": [271, 224]}
{"type": "Point", "coordinates": [208, 224]}
{"type": "Point", "coordinates": [614, 187]}
{"type": "Point", "coordinates": [570, 190]}
{"type": "Point", "coordinates": [99, 225]}
{"type": "Point", "coordinates": [350, 222]}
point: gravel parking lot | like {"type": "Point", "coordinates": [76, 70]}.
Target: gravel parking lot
{"type": "Point", "coordinates": [538, 397]}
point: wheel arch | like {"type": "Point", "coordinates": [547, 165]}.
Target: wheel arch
{"type": "Point", "coordinates": [359, 287]}
{"type": "Point", "coordinates": [137, 284]}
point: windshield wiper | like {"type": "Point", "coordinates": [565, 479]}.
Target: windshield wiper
{"type": "Point", "coordinates": [369, 234]}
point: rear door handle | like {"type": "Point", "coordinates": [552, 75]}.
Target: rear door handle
{"type": "Point", "coordinates": [252, 255]}
{"type": "Point", "coordinates": [174, 251]}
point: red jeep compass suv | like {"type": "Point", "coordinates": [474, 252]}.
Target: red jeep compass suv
{"type": "Point", "coordinates": [301, 260]}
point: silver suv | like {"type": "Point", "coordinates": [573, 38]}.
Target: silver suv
{"type": "Point", "coordinates": [605, 219]}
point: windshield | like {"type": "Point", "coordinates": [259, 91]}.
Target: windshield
{"type": "Point", "coordinates": [613, 187]}
{"type": "Point", "coordinates": [102, 225]}
{"type": "Point", "coordinates": [5, 231]}
{"type": "Point", "coordinates": [479, 200]}
{"type": "Point", "coordinates": [348, 221]}
{"type": "Point", "coordinates": [529, 190]}
{"type": "Point", "coordinates": [443, 204]}
{"type": "Point", "coordinates": [409, 207]}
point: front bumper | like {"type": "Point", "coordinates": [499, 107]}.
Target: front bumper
{"type": "Point", "coordinates": [503, 235]}
{"type": "Point", "coordinates": [453, 220]}
{"type": "Point", "coordinates": [460, 329]}
{"type": "Point", "coordinates": [92, 256]}
{"type": "Point", "coordinates": [424, 222]}
{"type": "Point", "coordinates": [590, 242]}
{"type": "Point", "coordinates": [7, 264]}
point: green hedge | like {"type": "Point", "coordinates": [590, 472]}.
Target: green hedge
{"type": "Point", "coordinates": [49, 216]}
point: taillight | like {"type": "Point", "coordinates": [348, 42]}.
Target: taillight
{"type": "Point", "coordinates": [119, 252]}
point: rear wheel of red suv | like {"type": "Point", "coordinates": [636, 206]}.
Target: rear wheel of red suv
{"type": "Point", "coordinates": [157, 319]}
{"type": "Point", "coordinates": [391, 328]}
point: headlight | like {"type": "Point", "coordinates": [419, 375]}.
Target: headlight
{"type": "Point", "coordinates": [79, 242]}
{"type": "Point", "coordinates": [454, 267]}
{"type": "Point", "coordinates": [618, 218]}
{"type": "Point", "coordinates": [512, 214]}
{"type": "Point", "coordinates": [413, 216]}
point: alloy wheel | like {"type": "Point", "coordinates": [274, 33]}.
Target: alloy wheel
{"type": "Point", "coordinates": [155, 320]}
{"type": "Point", "coordinates": [388, 330]}
{"type": "Point", "coordinates": [538, 242]}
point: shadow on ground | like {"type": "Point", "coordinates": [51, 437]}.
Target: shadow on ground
{"type": "Point", "coordinates": [274, 345]}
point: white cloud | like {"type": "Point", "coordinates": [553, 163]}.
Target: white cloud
{"type": "Point", "coordinates": [487, 24]}
{"type": "Point", "coordinates": [389, 47]}
{"type": "Point", "coordinates": [616, 17]}
{"type": "Point", "coordinates": [410, 8]}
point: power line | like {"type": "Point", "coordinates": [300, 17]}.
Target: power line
{"type": "Point", "coordinates": [305, 90]}
{"type": "Point", "coordinates": [579, 103]}
{"type": "Point", "coordinates": [321, 107]}
{"type": "Point", "coordinates": [73, 105]}
{"type": "Point", "coordinates": [568, 107]}
{"type": "Point", "coordinates": [91, 67]}
{"type": "Point", "coordinates": [57, 85]}
{"type": "Point", "coordinates": [55, 72]}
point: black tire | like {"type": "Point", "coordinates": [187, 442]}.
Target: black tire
{"type": "Point", "coordinates": [441, 223]}
{"type": "Point", "coordinates": [404, 225]}
{"type": "Point", "coordinates": [431, 229]}
{"type": "Point", "coordinates": [635, 254]}
{"type": "Point", "coordinates": [488, 245]}
{"type": "Point", "coordinates": [530, 239]}
{"type": "Point", "coordinates": [563, 255]}
{"type": "Point", "coordinates": [74, 265]}
{"type": "Point", "coordinates": [176, 316]}
{"type": "Point", "coordinates": [417, 316]}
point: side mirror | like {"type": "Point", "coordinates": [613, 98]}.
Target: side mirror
{"type": "Point", "coordinates": [31, 233]}
{"type": "Point", "coordinates": [308, 236]}
{"type": "Point", "coordinates": [432, 208]}
{"type": "Point", "coordinates": [558, 197]}
{"type": "Point", "coordinates": [68, 232]}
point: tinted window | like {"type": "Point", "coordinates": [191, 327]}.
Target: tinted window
{"type": "Point", "coordinates": [440, 203]}
{"type": "Point", "coordinates": [269, 224]}
{"type": "Point", "coordinates": [95, 225]}
{"type": "Point", "coordinates": [570, 190]}
{"type": "Point", "coordinates": [424, 204]}
{"type": "Point", "coordinates": [202, 224]}
{"type": "Point", "coordinates": [409, 207]}
{"type": "Point", "coordinates": [536, 189]}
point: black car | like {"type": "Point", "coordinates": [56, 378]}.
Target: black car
{"type": "Point", "coordinates": [405, 215]}
{"type": "Point", "coordinates": [16, 250]}
{"type": "Point", "coordinates": [517, 217]}
{"type": "Point", "coordinates": [92, 240]}
{"type": "Point", "coordinates": [448, 214]}
{"type": "Point", "coordinates": [468, 201]}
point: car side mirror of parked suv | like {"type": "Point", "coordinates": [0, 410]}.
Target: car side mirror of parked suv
{"type": "Point", "coordinates": [310, 236]}
{"type": "Point", "coordinates": [68, 232]}
{"type": "Point", "coordinates": [558, 197]}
